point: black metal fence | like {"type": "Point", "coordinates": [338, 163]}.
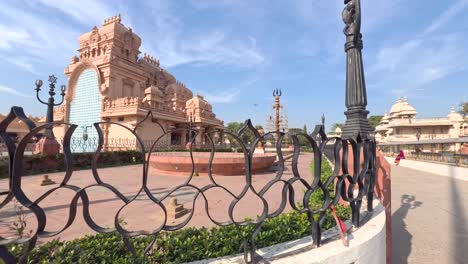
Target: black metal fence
{"type": "Point", "coordinates": [441, 157]}
{"type": "Point", "coordinates": [350, 184]}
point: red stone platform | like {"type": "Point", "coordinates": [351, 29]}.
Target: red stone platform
{"type": "Point", "coordinates": [224, 163]}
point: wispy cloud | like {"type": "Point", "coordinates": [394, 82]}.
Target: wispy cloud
{"type": "Point", "coordinates": [25, 63]}
{"type": "Point", "coordinates": [12, 36]}
{"type": "Point", "coordinates": [446, 16]}
{"type": "Point", "coordinates": [177, 46]}
{"type": "Point", "coordinates": [208, 4]}
{"type": "Point", "coordinates": [404, 68]}
{"type": "Point", "coordinates": [231, 95]}
{"type": "Point", "coordinates": [33, 35]}
{"type": "Point", "coordinates": [224, 97]}
{"type": "Point", "coordinates": [8, 90]}
{"type": "Point", "coordinates": [85, 11]}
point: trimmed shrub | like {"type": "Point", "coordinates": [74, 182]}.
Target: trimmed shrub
{"type": "Point", "coordinates": [39, 163]}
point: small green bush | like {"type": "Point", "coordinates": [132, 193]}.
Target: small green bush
{"type": "Point", "coordinates": [39, 163]}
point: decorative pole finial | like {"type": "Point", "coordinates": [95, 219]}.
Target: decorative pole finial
{"type": "Point", "coordinates": [51, 102]}
{"type": "Point", "coordinates": [277, 94]}
{"type": "Point", "coordinates": [356, 96]}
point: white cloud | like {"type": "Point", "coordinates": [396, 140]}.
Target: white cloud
{"type": "Point", "coordinates": [87, 12]}
{"type": "Point", "coordinates": [223, 97]}
{"type": "Point", "coordinates": [24, 63]}
{"type": "Point", "coordinates": [446, 16]}
{"type": "Point", "coordinates": [405, 68]}
{"type": "Point", "coordinates": [12, 36]}
{"type": "Point", "coordinates": [35, 36]}
{"type": "Point", "coordinates": [207, 4]}
{"type": "Point", "coordinates": [8, 90]}
{"type": "Point", "coordinates": [227, 96]}
{"type": "Point", "coordinates": [179, 44]}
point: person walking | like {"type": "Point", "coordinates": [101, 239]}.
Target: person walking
{"type": "Point", "coordinates": [400, 156]}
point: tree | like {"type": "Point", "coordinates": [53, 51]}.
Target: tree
{"type": "Point", "coordinates": [247, 135]}
{"type": "Point", "coordinates": [464, 109]}
{"type": "Point", "coordinates": [374, 121]}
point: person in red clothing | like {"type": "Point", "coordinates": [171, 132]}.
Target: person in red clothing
{"type": "Point", "coordinates": [400, 156]}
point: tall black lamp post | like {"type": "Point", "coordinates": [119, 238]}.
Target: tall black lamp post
{"type": "Point", "coordinates": [356, 97]}
{"type": "Point", "coordinates": [50, 103]}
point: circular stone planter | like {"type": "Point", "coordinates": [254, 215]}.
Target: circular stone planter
{"type": "Point", "coordinates": [224, 163]}
{"type": "Point", "coordinates": [366, 245]}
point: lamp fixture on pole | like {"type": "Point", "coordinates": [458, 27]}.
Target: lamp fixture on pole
{"type": "Point", "coordinates": [50, 103]}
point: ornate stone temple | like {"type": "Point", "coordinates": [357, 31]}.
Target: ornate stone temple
{"type": "Point", "coordinates": [111, 81]}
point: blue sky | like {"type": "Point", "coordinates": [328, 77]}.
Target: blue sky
{"type": "Point", "coordinates": [235, 52]}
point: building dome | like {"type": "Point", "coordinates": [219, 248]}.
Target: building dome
{"type": "Point", "coordinates": [402, 107]}
{"type": "Point", "coordinates": [454, 116]}
{"type": "Point", "coordinates": [385, 119]}
{"type": "Point", "coordinates": [407, 109]}
{"type": "Point", "coordinates": [338, 130]}
{"type": "Point", "coordinates": [396, 107]}
{"type": "Point", "coordinates": [199, 102]}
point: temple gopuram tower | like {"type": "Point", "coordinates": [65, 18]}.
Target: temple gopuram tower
{"type": "Point", "coordinates": [111, 81]}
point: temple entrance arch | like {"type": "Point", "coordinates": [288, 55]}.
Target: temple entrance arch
{"type": "Point", "coordinates": [84, 111]}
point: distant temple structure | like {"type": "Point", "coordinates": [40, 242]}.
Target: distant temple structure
{"type": "Point", "coordinates": [402, 127]}
{"type": "Point", "coordinates": [110, 81]}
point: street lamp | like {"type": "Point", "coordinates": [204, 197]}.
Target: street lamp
{"type": "Point", "coordinates": [50, 103]}
{"type": "Point", "coordinates": [356, 97]}
{"type": "Point", "coordinates": [418, 136]}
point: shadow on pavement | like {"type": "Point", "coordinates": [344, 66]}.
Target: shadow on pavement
{"type": "Point", "coordinates": [459, 230]}
{"type": "Point", "coordinates": [401, 238]}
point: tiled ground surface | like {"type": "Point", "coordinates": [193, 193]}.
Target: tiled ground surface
{"type": "Point", "coordinates": [142, 213]}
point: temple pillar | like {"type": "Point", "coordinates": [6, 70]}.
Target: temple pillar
{"type": "Point", "coordinates": [200, 140]}
{"type": "Point", "coordinates": [183, 137]}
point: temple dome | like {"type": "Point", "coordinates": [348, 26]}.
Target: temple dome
{"type": "Point", "coordinates": [385, 119]}
{"type": "Point", "coordinates": [454, 116]}
{"type": "Point", "coordinates": [407, 109]}
{"type": "Point", "coordinates": [396, 107]}
{"type": "Point", "coordinates": [402, 107]}
{"type": "Point", "coordinates": [199, 102]}
{"type": "Point", "coordinates": [179, 91]}
{"type": "Point", "coordinates": [338, 130]}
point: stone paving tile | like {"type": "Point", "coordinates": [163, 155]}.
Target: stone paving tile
{"type": "Point", "coordinates": [429, 219]}
{"type": "Point", "coordinates": [142, 213]}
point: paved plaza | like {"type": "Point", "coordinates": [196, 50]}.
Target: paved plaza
{"type": "Point", "coordinates": [142, 213]}
{"type": "Point", "coordinates": [429, 211]}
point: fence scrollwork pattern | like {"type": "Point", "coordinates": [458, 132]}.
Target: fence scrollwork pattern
{"type": "Point", "coordinates": [350, 183]}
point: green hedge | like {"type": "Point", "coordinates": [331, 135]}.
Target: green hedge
{"type": "Point", "coordinates": [39, 163]}
{"type": "Point", "coordinates": [184, 245]}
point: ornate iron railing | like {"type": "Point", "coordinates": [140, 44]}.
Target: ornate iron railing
{"type": "Point", "coordinates": [349, 184]}
{"type": "Point", "coordinates": [352, 179]}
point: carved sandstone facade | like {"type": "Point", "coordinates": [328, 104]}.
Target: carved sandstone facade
{"type": "Point", "coordinates": [111, 81]}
